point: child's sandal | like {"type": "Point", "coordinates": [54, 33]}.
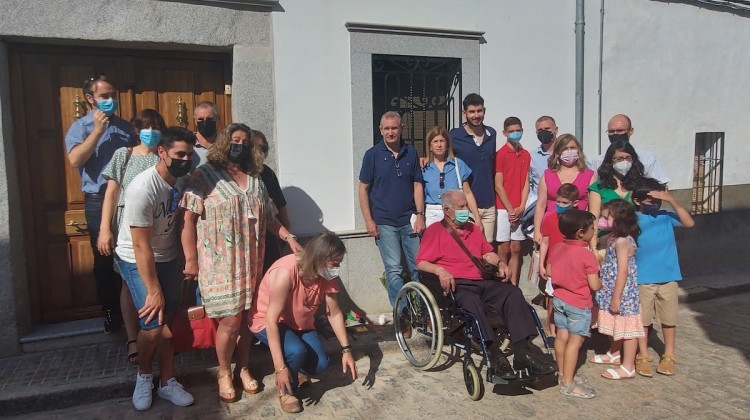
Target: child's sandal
{"type": "Point", "coordinates": [614, 375]}
{"type": "Point", "coordinates": [577, 390]}
{"type": "Point", "coordinates": [598, 359]}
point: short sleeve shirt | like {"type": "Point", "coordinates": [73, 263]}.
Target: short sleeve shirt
{"type": "Point", "coordinates": [431, 178]}
{"type": "Point", "coordinates": [481, 159]}
{"type": "Point", "coordinates": [571, 264]}
{"type": "Point", "coordinates": [656, 255]}
{"type": "Point", "coordinates": [123, 167]}
{"type": "Point", "coordinates": [439, 247]}
{"type": "Point", "coordinates": [607, 194]}
{"type": "Point", "coordinates": [539, 163]}
{"type": "Point", "coordinates": [551, 229]}
{"type": "Point", "coordinates": [652, 167]}
{"type": "Point", "coordinates": [302, 303]}
{"type": "Point", "coordinates": [117, 134]}
{"type": "Point", "coordinates": [514, 165]}
{"type": "Point", "coordinates": [151, 202]}
{"type": "Point", "coordinates": [391, 183]}
{"type": "Point", "coordinates": [272, 186]}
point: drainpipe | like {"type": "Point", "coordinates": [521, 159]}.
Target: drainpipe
{"type": "Point", "coordinates": [601, 66]}
{"type": "Point", "coordinates": [580, 23]}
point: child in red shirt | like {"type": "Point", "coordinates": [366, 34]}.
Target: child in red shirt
{"type": "Point", "coordinates": [512, 163]}
{"type": "Point", "coordinates": [575, 273]}
{"type": "Point", "coordinates": [567, 198]}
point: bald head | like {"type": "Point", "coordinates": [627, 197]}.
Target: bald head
{"type": "Point", "coordinates": [619, 128]}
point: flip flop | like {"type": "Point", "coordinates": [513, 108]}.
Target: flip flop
{"type": "Point", "coordinates": [132, 357]}
{"type": "Point", "coordinates": [615, 376]}
{"type": "Point", "coordinates": [614, 359]}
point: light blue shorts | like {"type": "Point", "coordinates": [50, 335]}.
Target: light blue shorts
{"type": "Point", "coordinates": [568, 317]}
{"type": "Point", "coordinates": [170, 278]}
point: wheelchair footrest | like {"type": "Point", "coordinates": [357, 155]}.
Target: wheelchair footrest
{"type": "Point", "coordinates": [523, 377]}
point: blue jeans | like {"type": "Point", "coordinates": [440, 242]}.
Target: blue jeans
{"type": "Point", "coordinates": [394, 241]}
{"type": "Point", "coordinates": [303, 351]}
{"type": "Point", "coordinates": [170, 278]}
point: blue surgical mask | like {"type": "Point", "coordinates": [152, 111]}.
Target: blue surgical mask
{"type": "Point", "coordinates": [563, 209]}
{"type": "Point", "coordinates": [650, 209]}
{"type": "Point", "coordinates": [462, 216]}
{"type": "Point", "coordinates": [150, 137]}
{"type": "Point", "coordinates": [515, 136]}
{"type": "Point", "coordinates": [107, 106]}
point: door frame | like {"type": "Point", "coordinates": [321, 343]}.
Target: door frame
{"type": "Point", "coordinates": [19, 136]}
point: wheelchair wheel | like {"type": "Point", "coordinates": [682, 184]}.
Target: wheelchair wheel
{"type": "Point", "coordinates": [473, 381]}
{"type": "Point", "coordinates": [419, 327]}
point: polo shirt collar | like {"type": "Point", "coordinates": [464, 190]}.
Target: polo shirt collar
{"type": "Point", "coordinates": [540, 150]}
{"type": "Point", "coordinates": [576, 242]}
{"type": "Point", "coordinates": [402, 148]}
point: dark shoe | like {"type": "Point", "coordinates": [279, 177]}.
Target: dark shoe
{"type": "Point", "coordinates": [503, 369]}
{"type": "Point", "coordinates": [535, 366]}
{"type": "Point", "coordinates": [112, 321]}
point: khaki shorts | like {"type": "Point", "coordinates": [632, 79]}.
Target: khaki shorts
{"type": "Point", "coordinates": [488, 221]}
{"type": "Point", "coordinates": [663, 298]}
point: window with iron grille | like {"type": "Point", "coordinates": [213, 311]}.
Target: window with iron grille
{"type": "Point", "coordinates": [708, 172]}
{"type": "Point", "coordinates": [425, 91]}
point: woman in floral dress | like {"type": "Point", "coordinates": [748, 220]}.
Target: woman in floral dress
{"type": "Point", "coordinates": [227, 213]}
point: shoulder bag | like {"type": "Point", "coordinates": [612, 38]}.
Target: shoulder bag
{"type": "Point", "coordinates": [489, 271]}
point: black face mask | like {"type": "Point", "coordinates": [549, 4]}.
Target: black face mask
{"type": "Point", "coordinates": [179, 167]}
{"type": "Point", "coordinates": [616, 137]}
{"type": "Point", "coordinates": [207, 128]}
{"type": "Point", "coordinates": [545, 136]}
{"type": "Point", "coordinates": [239, 153]}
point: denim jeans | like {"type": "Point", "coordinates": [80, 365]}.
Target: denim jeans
{"type": "Point", "coordinates": [107, 281]}
{"type": "Point", "coordinates": [394, 241]}
{"type": "Point", "coordinates": [170, 279]}
{"type": "Point", "coordinates": [303, 351]}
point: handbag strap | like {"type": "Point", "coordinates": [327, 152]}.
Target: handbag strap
{"type": "Point", "coordinates": [460, 243]}
{"type": "Point", "coordinates": [458, 175]}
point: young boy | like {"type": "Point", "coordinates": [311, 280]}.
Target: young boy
{"type": "Point", "coordinates": [575, 273]}
{"type": "Point", "coordinates": [658, 269]}
{"type": "Point", "coordinates": [512, 164]}
{"type": "Point", "coordinates": [567, 198]}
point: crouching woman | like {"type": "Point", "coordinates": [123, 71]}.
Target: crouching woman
{"type": "Point", "coordinates": [284, 310]}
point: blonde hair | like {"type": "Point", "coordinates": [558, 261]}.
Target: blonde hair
{"type": "Point", "coordinates": [562, 141]}
{"type": "Point", "coordinates": [317, 252]}
{"type": "Point", "coordinates": [439, 130]}
{"type": "Point", "coordinates": [217, 155]}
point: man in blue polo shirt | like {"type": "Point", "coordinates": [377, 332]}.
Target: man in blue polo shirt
{"type": "Point", "coordinates": [474, 143]}
{"type": "Point", "coordinates": [90, 143]}
{"type": "Point", "coordinates": [390, 192]}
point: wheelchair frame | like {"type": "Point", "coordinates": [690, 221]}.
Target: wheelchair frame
{"type": "Point", "coordinates": [436, 319]}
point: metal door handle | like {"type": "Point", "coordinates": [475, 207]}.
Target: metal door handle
{"type": "Point", "coordinates": [75, 223]}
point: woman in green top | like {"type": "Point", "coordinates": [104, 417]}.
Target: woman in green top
{"type": "Point", "coordinates": [618, 173]}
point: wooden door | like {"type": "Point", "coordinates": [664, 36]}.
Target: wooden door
{"type": "Point", "coordinates": [47, 97]}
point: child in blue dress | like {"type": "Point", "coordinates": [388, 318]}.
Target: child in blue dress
{"type": "Point", "coordinates": [618, 301]}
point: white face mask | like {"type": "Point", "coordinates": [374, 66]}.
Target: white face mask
{"type": "Point", "coordinates": [329, 273]}
{"type": "Point", "coordinates": [623, 167]}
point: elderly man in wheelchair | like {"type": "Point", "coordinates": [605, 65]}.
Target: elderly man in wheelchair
{"type": "Point", "coordinates": [451, 250]}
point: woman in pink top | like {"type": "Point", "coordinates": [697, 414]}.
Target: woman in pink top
{"type": "Point", "coordinates": [567, 165]}
{"type": "Point", "coordinates": [284, 309]}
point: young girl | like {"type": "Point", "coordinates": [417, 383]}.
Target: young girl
{"type": "Point", "coordinates": [619, 306]}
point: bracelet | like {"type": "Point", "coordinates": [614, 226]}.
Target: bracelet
{"type": "Point", "coordinates": [280, 370]}
{"type": "Point", "coordinates": [289, 237]}
{"type": "Point", "coordinates": [346, 349]}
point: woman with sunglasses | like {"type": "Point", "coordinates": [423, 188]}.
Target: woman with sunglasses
{"type": "Point", "coordinates": [227, 213]}
{"type": "Point", "coordinates": [442, 173]}
{"type": "Point", "coordinates": [283, 315]}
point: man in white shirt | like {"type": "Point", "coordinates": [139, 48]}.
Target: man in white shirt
{"type": "Point", "coordinates": [620, 128]}
{"type": "Point", "coordinates": [148, 247]}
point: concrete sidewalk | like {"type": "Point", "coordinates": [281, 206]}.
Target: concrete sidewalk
{"type": "Point", "coordinates": [85, 374]}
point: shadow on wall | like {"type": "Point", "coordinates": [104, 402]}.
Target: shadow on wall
{"type": "Point", "coordinates": [305, 214]}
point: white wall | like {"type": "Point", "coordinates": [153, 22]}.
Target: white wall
{"type": "Point", "coordinates": [523, 73]}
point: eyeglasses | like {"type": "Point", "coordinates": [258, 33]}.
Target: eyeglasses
{"type": "Point", "coordinates": [398, 169]}
{"type": "Point", "coordinates": [442, 180]}
{"type": "Point", "coordinates": [622, 158]}
{"type": "Point", "coordinates": [173, 200]}
{"type": "Point", "coordinates": [311, 297]}
{"type": "Point", "coordinates": [620, 131]}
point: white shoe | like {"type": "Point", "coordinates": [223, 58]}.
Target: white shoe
{"type": "Point", "coordinates": [174, 392]}
{"type": "Point", "coordinates": [142, 395]}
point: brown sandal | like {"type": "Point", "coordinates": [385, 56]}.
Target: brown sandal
{"type": "Point", "coordinates": [290, 404]}
{"type": "Point", "coordinates": [229, 394]}
{"type": "Point", "coordinates": [252, 387]}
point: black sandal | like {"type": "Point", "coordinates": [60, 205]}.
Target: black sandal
{"type": "Point", "coordinates": [132, 357]}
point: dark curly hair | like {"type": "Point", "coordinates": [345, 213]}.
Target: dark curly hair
{"type": "Point", "coordinates": [625, 220]}
{"type": "Point", "coordinates": [607, 172]}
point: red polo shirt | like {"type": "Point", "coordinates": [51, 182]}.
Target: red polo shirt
{"type": "Point", "coordinates": [515, 169]}
{"type": "Point", "coordinates": [551, 229]}
{"type": "Point", "coordinates": [439, 247]}
{"type": "Point", "coordinates": [571, 264]}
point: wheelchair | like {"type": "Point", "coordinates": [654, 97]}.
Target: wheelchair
{"type": "Point", "coordinates": [428, 319]}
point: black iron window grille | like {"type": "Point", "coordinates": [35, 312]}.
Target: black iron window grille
{"type": "Point", "coordinates": [425, 91]}
{"type": "Point", "coordinates": [708, 173]}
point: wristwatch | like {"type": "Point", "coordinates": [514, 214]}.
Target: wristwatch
{"type": "Point", "coordinates": [419, 213]}
{"type": "Point", "coordinates": [289, 237]}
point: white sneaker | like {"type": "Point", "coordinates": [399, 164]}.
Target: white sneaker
{"type": "Point", "coordinates": [174, 392]}
{"type": "Point", "coordinates": [142, 395]}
